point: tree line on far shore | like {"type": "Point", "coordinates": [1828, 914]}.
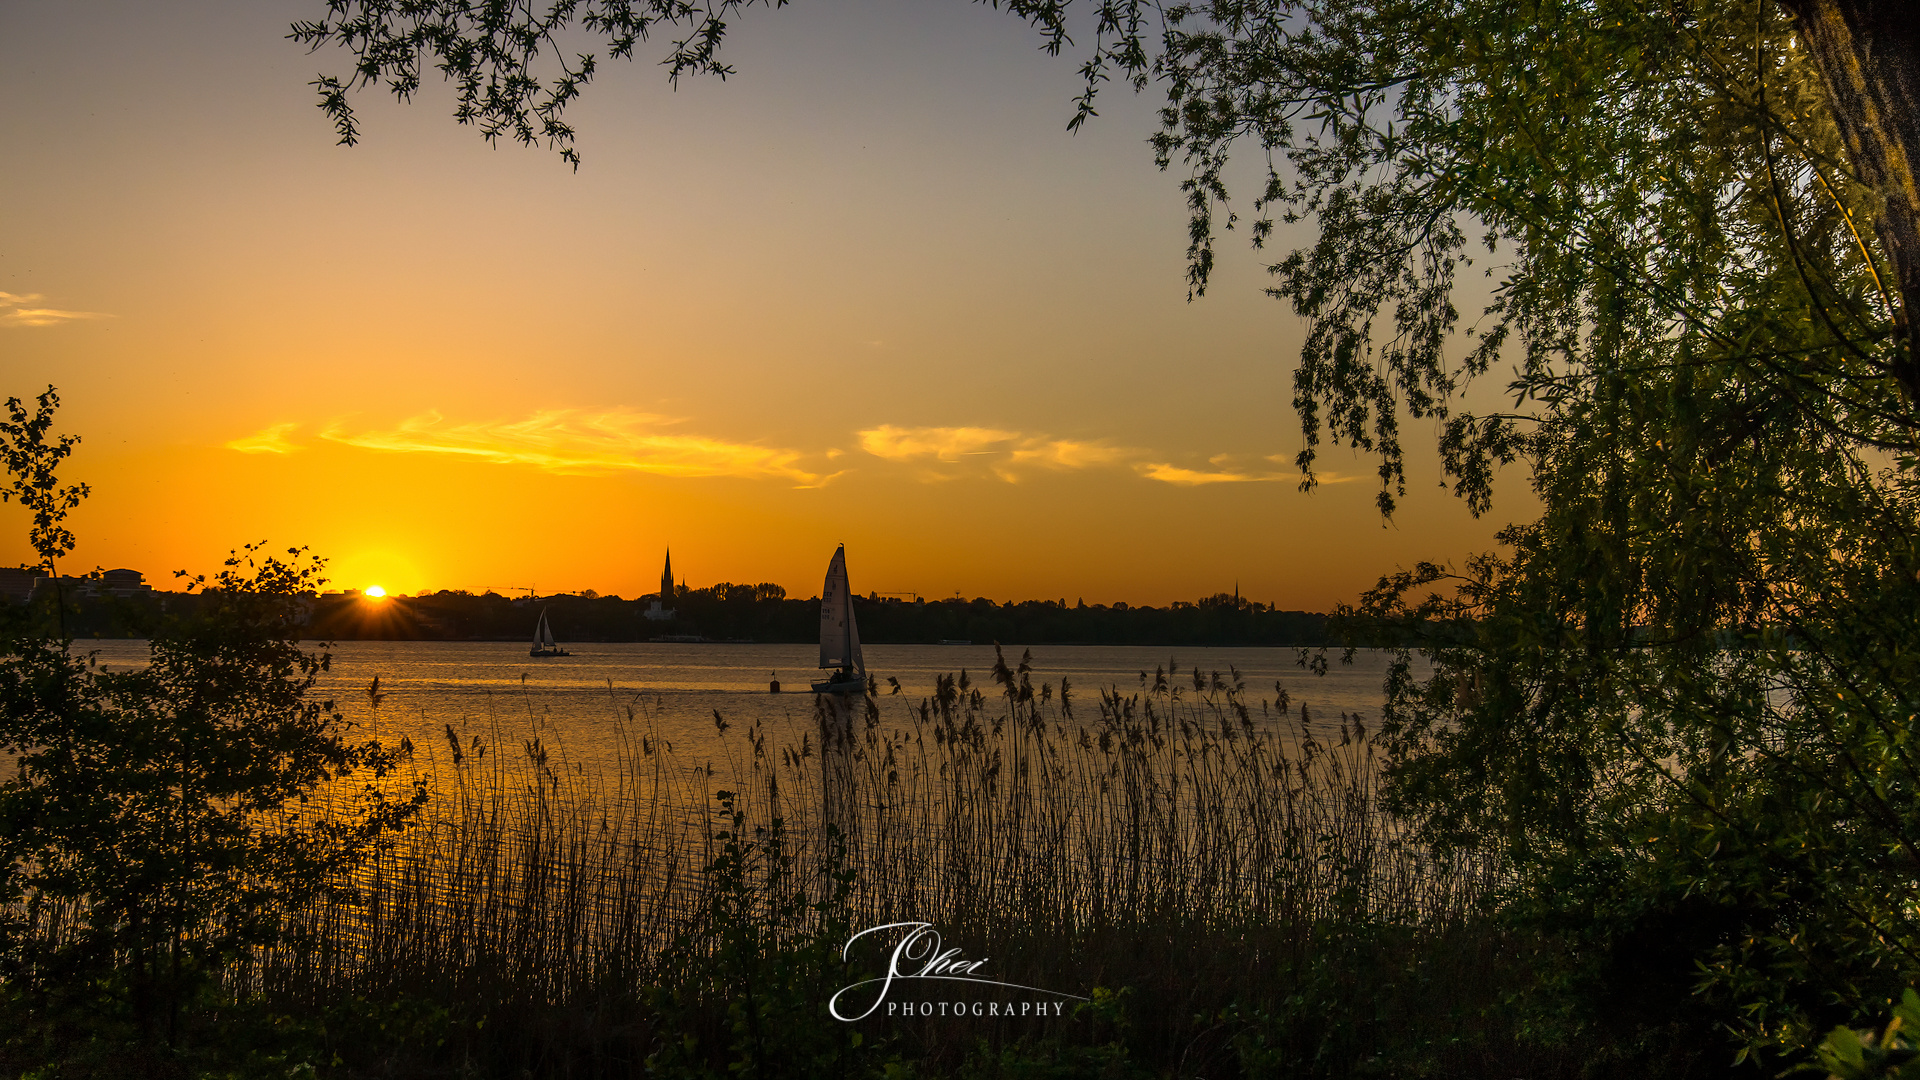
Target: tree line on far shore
{"type": "Point", "coordinates": [759, 613]}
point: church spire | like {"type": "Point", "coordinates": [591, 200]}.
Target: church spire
{"type": "Point", "coordinates": [658, 611]}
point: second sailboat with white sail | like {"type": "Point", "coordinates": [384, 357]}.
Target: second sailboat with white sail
{"type": "Point", "coordinates": [543, 643]}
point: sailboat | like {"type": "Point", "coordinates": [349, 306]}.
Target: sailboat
{"type": "Point", "coordinates": [543, 643]}
{"type": "Point", "coordinates": [839, 637]}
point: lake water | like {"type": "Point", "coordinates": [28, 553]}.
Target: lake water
{"type": "Point", "coordinates": [579, 705]}
{"type": "Point", "coordinates": [936, 824]}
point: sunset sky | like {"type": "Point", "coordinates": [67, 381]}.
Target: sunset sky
{"type": "Point", "coordinates": [867, 291]}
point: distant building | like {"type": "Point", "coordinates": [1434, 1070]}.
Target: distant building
{"type": "Point", "coordinates": [120, 582]}
{"type": "Point", "coordinates": [124, 582]}
{"type": "Point", "coordinates": [659, 612]}
{"type": "Point", "coordinates": [67, 586]}
{"type": "Point", "coordinates": [16, 583]}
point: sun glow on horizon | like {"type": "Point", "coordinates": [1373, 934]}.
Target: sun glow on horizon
{"type": "Point", "coordinates": [562, 431]}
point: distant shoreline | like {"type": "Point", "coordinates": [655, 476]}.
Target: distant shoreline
{"type": "Point", "coordinates": [726, 615]}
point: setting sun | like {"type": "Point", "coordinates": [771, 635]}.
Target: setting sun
{"type": "Point", "coordinates": [375, 592]}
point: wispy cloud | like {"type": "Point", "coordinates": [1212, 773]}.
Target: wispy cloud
{"type": "Point", "coordinates": [948, 453]}
{"type": "Point", "coordinates": [14, 311]}
{"type": "Point", "coordinates": [584, 441]}
{"type": "Point", "coordinates": [1068, 453]}
{"type": "Point", "coordinates": [1173, 474]}
{"type": "Point", "coordinates": [268, 440]}
{"type": "Point", "coordinates": [581, 441]}
{"type": "Point", "coordinates": [940, 443]}
{"type": "Point", "coordinates": [1006, 451]}
{"type": "Point", "coordinates": [1224, 472]}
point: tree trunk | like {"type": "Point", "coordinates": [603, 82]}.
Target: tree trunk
{"type": "Point", "coordinates": [1868, 54]}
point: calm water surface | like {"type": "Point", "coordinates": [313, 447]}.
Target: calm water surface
{"type": "Point", "coordinates": [583, 707]}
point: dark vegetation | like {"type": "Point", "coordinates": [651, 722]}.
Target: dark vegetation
{"type": "Point", "coordinates": [1206, 865]}
{"type": "Point", "coordinates": [741, 613]}
{"type": "Point", "coordinates": [735, 613]}
{"type": "Point", "coordinates": [1653, 810]}
{"type": "Point", "coordinates": [211, 873]}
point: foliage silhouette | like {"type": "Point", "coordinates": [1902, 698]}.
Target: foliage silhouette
{"type": "Point", "coordinates": [158, 824]}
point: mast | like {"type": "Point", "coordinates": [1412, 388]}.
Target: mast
{"type": "Point", "coordinates": [859, 663]}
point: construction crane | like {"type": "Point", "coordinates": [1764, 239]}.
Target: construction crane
{"type": "Point", "coordinates": [528, 589]}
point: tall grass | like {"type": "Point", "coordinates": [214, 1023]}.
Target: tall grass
{"type": "Point", "coordinates": [1197, 845]}
{"type": "Point", "coordinates": [985, 805]}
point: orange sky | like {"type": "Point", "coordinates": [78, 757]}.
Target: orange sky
{"type": "Point", "coordinates": [868, 291]}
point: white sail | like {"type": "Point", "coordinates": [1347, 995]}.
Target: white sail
{"type": "Point", "coordinates": [543, 643]}
{"type": "Point", "coordinates": [839, 637]}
